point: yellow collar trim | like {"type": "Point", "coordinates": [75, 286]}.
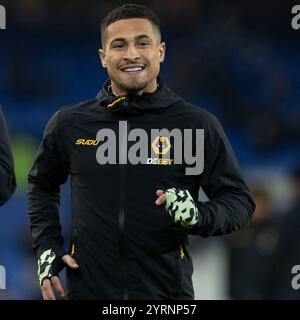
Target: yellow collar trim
{"type": "Point", "coordinates": [116, 101]}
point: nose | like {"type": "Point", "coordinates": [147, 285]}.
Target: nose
{"type": "Point", "coordinates": [132, 53]}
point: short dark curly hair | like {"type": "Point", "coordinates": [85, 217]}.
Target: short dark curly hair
{"type": "Point", "coordinates": [129, 11]}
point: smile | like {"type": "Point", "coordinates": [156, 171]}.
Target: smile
{"type": "Point", "coordinates": [133, 69]}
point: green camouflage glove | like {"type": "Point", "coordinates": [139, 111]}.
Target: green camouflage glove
{"type": "Point", "coordinates": [181, 207]}
{"type": "Point", "coordinates": [49, 265]}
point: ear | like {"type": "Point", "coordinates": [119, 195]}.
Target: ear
{"type": "Point", "coordinates": [162, 51]}
{"type": "Point", "coordinates": [102, 57]}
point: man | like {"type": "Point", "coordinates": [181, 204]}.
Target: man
{"type": "Point", "coordinates": [131, 219]}
{"type": "Point", "coordinates": [7, 176]}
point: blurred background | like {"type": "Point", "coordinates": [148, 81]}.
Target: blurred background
{"type": "Point", "coordinates": [237, 59]}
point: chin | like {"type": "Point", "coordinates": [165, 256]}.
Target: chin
{"type": "Point", "coordinates": [133, 87]}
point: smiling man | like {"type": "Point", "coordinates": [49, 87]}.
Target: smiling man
{"type": "Point", "coordinates": [131, 219]}
{"type": "Point", "coordinates": [132, 58]}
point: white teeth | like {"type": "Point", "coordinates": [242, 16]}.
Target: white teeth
{"type": "Point", "coordinates": [133, 69]}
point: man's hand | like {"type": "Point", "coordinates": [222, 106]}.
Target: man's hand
{"type": "Point", "coordinates": [49, 267]}
{"type": "Point", "coordinates": [180, 205]}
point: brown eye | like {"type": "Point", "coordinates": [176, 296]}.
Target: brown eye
{"type": "Point", "coordinates": [143, 43]}
{"type": "Point", "coordinates": [117, 45]}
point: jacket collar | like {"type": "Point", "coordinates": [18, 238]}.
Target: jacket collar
{"type": "Point", "coordinates": [157, 101]}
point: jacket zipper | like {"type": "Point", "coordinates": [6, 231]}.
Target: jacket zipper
{"type": "Point", "coordinates": [122, 239]}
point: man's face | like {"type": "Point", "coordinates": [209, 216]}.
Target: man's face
{"type": "Point", "coordinates": [132, 54]}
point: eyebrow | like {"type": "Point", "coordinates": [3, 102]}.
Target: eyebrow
{"type": "Point", "coordinates": [135, 38]}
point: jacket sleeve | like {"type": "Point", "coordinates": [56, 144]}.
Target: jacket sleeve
{"type": "Point", "coordinates": [230, 206]}
{"type": "Point", "coordinates": [49, 171]}
{"type": "Point", "coordinates": [7, 175]}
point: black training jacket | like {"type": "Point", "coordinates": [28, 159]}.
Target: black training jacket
{"type": "Point", "coordinates": [7, 176]}
{"type": "Point", "coordinates": [127, 246]}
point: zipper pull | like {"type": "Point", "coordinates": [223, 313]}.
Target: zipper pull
{"type": "Point", "coordinates": [181, 252]}
{"type": "Point", "coordinates": [73, 250]}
